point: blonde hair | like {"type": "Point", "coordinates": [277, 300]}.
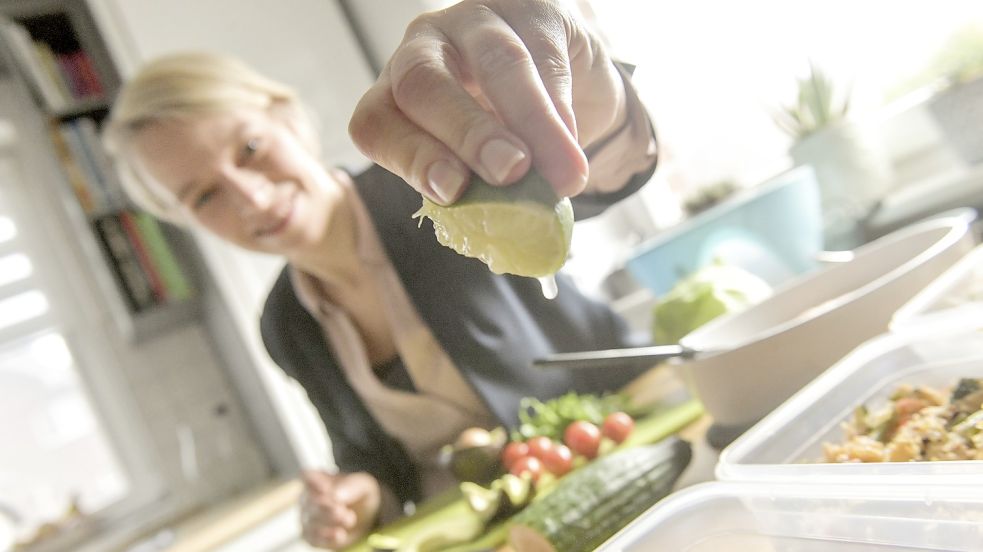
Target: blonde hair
{"type": "Point", "coordinates": [186, 85]}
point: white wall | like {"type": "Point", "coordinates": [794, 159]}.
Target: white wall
{"type": "Point", "coordinates": [382, 23]}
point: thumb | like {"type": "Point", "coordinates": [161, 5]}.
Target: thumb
{"type": "Point", "coordinates": [351, 489]}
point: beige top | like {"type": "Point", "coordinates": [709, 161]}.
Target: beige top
{"type": "Point", "coordinates": [444, 403]}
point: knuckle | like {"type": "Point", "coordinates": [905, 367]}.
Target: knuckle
{"type": "Point", "coordinates": [364, 124]}
{"type": "Point", "coordinates": [501, 56]}
{"type": "Point", "coordinates": [415, 75]}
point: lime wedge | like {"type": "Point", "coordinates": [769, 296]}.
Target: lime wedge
{"type": "Point", "coordinates": [522, 229]}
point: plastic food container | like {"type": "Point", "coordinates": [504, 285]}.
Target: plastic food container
{"type": "Point", "coordinates": [786, 446]}
{"type": "Point", "coordinates": [748, 517]}
{"type": "Point", "coordinates": [950, 303]}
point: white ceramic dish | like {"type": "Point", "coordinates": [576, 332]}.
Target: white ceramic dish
{"type": "Point", "coordinates": [774, 348]}
{"type": "Point", "coordinates": [786, 446]}
{"type": "Point", "coordinates": [743, 517]}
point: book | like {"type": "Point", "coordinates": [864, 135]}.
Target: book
{"type": "Point", "coordinates": [25, 55]}
{"type": "Point", "coordinates": [50, 65]}
{"type": "Point", "coordinates": [137, 291]}
{"type": "Point", "coordinates": [76, 178]}
{"type": "Point", "coordinates": [175, 281]}
{"type": "Point", "coordinates": [88, 74]}
{"type": "Point", "coordinates": [71, 76]}
{"type": "Point", "coordinates": [89, 134]}
{"type": "Point", "coordinates": [90, 173]}
{"type": "Point", "coordinates": [142, 256]}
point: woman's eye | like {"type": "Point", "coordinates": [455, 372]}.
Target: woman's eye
{"type": "Point", "coordinates": [204, 198]}
{"type": "Point", "coordinates": [250, 148]}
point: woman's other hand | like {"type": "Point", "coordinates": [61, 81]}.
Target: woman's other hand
{"type": "Point", "coordinates": [337, 510]}
{"type": "Point", "coordinates": [492, 86]}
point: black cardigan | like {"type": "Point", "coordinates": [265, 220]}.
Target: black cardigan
{"type": "Point", "coordinates": [492, 327]}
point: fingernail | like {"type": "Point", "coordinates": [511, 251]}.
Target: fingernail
{"type": "Point", "coordinates": [445, 180]}
{"type": "Point", "coordinates": [499, 157]}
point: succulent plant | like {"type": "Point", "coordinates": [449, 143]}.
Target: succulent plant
{"type": "Point", "coordinates": [818, 105]}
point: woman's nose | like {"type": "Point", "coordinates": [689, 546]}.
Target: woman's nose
{"type": "Point", "coordinates": [252, 192]}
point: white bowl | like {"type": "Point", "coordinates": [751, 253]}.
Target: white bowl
{"type": "Point", "coordinates": [766, 353]}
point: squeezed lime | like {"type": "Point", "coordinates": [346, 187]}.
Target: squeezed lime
{"type": "Point", "coordinates": [522, 229]}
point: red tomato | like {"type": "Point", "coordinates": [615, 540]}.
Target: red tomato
{"type": "Point", "coordinates": [512, 452]}
{"type": "Point", "coordinates": [558, 460]}
{"type": "Point", "coordinates": [527, 464]}
{"type": "Point", "coordinates": [540, 446]}
{"type": "Point", "coordinates": [617, 426]}
{"type": "Point", "coordinates": [583, 438]}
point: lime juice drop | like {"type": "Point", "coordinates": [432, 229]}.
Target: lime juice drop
{"type": "Point", "coordinates": [549, 286]}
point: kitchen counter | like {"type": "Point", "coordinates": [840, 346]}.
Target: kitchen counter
{"type": "Point", "coordinates": [266, 520]}
{"type": "Point", "coordinates": [262, 520]}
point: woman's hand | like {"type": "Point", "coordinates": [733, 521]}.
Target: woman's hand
{"type": "Point", "coordinates": [337, 510]}
{"type": "Point", "coordinates": [492, 86]}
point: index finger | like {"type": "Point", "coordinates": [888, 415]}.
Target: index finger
{"type": "Point", "coordinates": [523, 69]}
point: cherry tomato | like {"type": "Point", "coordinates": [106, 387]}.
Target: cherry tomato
{"type": "Point", "coordinates": [617, 426]}
{"type": "Point", "coordinates": [540, 446]}
{"type": "Point", "coordinates": [527, 464]}
{"type": "Point", "coordinates": [558, 460]}
{"type": "Point", "coordinates": [512, 452]}
{"type": "Point", "coordinates": [583, 438]}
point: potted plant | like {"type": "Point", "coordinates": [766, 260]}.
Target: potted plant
{"type": "Point", "coordinates": [957, 104]}
{"type": "Point", "coordinates": [851, 168]}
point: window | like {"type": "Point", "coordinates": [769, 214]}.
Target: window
{"type": "Point", "coordinates": [58, 460]}
{"type": "Point", "coordinates": [713, 72]}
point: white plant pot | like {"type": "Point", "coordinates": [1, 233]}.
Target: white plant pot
{"type": "Point", "coordinates": [853, 172]}
{"type": "Point", "coordinates": [959, 111]}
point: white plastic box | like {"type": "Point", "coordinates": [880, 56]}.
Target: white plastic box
{"type": "Point", "coordinates": [758, 517]}
{"type": "Point", "coordinates": [786, 446]}
{"type": "Point", "coordinates": [950, 303]}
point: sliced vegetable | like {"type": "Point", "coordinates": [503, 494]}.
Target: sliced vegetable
{"type": "Point", "coordinates": [591, 504]}
{"type": "Point", "coordinates": [505, 496]}
{"type": "Point", "coordinates": [437, 537]}
{"type": "Point", "coordinates": [485, 502]}
{"type": "Point", "coordinates": [518, 491]}
{"type": "Point", "coordinates": [383, 543]}
{"type": "Point", "coordinates": [475, 454]}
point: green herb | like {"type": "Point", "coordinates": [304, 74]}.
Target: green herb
{"type": "Point", "coordinates": [552, 417]}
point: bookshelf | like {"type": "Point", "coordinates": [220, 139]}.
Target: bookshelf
{"type": "Point", "coordinates": [144, 267]}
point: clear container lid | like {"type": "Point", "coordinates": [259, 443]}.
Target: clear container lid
{"type": "Point", "coordinates": [757, 517]}
{"type": "Point", "coordinates": [787, 445]}
{"type": "Point", "coordinates": [953, 301]}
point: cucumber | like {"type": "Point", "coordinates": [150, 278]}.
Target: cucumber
{"type": "Point", "coordinates": [593, 503]}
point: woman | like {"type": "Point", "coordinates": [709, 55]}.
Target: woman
{"type": "Point", "coordinates": [399, 342]}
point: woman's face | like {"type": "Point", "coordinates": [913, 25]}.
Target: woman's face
{"type": "Point", "coordinates": [245, 176]}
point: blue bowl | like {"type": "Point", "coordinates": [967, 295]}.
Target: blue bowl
{"type": "Point", "coordinates": [773, 230]}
